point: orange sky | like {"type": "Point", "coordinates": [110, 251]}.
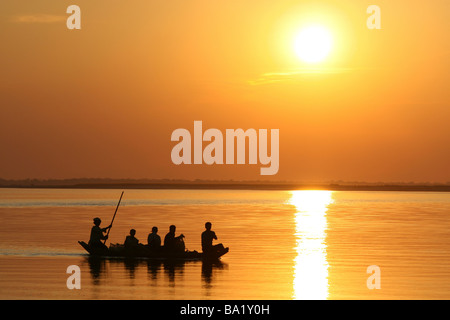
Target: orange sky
{"type": "Point", "coordinates": [103, 101]}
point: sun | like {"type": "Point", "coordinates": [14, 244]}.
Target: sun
{"type": "Point", "coordinates": [313, 44]}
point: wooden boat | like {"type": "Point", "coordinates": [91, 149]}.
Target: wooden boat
{"type": "Point", "coordinates": [143, 251]}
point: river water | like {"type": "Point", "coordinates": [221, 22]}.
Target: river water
{"type": "Point", "coordinates": [283, 244]}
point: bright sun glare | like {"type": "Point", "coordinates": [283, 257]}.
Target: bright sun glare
{"type": "Point", "coordinates": [313, 44]}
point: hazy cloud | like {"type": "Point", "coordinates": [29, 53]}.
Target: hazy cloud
{"type": "Point", "coordinates": [272, 77]}
{"type": "Point", "coordinates": [39, 18]}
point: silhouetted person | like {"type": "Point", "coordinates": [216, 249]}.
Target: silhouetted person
{"type": "Point", "coordinates": [154, 240]}
{"type": "Point", "coordinates": [131, 241]}
{"type": "Point", "coordinates": [97, 236]}
{"type": "Point", "coordinates": [172, 243]}
{"type": "Point", "coordinates": [207, 240]}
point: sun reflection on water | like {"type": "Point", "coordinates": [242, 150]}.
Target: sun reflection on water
{"type": "Point", "coordinates": [311, 265]}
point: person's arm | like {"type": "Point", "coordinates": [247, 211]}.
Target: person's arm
{"type": "Point", "coordinates": [166, 240]}
{"type": "Point", "coordinates": [105, 229]}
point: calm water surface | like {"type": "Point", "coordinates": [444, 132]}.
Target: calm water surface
{"type": "Point", "coordinates": [283, 244]}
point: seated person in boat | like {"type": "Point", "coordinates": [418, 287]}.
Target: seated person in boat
{"type": "Point", "coordinates": [154, 240]}
{"type": "Point", "coordinates": [207, 240]}
{"type": "Point", "coordinates": [131, 241]}
{"type": "Point", "coordinates": [172, 243]}
{"type": "Point", "coordinates": [97, 236]}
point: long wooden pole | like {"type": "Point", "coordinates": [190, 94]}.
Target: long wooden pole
{"type": "Point", "coordinates": [113, 217]}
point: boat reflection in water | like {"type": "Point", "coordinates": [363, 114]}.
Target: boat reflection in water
{"type": "Point", "coordinates": [311, 265]}
{"type": "Point", "coordinates": [106, 272]}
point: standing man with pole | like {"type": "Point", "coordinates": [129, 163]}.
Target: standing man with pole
{"type": "Point", "coordinates": [95, 241]}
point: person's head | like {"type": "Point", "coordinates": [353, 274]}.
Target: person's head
{"type": "Point", "coordinates": [172, 228]}
{"type": "Point", "coordinates": [155, 229]}
{"type": "Point", "coordinates": [208, 226]}
{"type": "Point", "coordinates": [132, 232]}
{"type": "Point", "coordinates": [97, 221]}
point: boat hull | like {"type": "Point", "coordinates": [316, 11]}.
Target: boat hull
{"type": "Point", "coordinates": [142, 251]}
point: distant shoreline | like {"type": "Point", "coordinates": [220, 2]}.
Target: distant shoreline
{"type": "Point", "coordinates": [233, 186]}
